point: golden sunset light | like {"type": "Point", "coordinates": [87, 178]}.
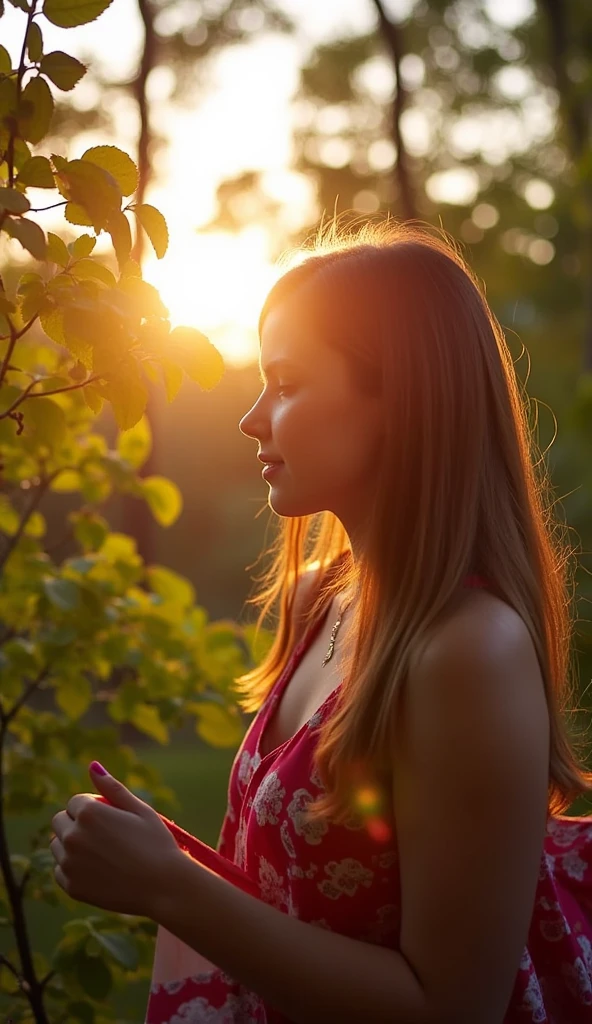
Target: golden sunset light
{"type": "Point", "coordinates": [217, 282]}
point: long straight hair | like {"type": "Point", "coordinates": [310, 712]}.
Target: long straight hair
{"type": "Point", "coordinates": [462, 489]}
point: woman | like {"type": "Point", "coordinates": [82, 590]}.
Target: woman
{"type": "Point", "coordinates": [394, 836]}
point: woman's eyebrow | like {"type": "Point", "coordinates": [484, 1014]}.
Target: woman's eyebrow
{"type": "Point", "coordinates": [274, 366]}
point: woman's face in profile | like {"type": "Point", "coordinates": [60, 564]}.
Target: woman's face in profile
{"type": "Point", "coordinates": [321, 430]}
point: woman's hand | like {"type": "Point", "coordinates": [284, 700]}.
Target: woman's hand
{"type": "Point", "coordinates": [113, 855]}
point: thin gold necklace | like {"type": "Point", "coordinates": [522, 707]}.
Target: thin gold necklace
{"type": "Point", "coordinates": [334, 632]}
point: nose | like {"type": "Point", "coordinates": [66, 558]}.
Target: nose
{"type": "Point", "coordinates": [255, 423]}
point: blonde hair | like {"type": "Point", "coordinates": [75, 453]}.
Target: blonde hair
{"type": "Point", "coordinates": [462, 489]}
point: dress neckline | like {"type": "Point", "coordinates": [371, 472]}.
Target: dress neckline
{"type": "Point", "coordinates": [471, 580]}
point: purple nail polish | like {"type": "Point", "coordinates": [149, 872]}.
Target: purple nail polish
{"type": "Point", "coordinates": [97, 768]}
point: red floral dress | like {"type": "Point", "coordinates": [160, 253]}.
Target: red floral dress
{"type": "Point", "coordinates": [345, 878]}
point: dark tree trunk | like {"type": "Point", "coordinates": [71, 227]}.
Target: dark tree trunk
{"type": "Point", "coordinates": [391, 34]}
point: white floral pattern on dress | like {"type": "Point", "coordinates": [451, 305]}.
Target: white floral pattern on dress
{"type": "Point", "coordinates": [272, 885]}
{"type": "Point", "coordinates": [247, 766]}
{"type": "Point", "coordinates": [267, 802]}
{"type": "Point", "coordinates": [287, 839]}
{"type": "Point", "coordinates": [573, 864]}
{"type": "Point", "coordinates": [311, 831]}
{"type": "Point", "coordinates": [245, 1007]}
{"type": "Point", "coordinates": [344, 878]}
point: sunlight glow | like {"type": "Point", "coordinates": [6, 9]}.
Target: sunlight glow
{"type": "Point", "coordinates": [217, 282]}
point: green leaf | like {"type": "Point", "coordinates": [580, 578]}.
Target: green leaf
{"type": "Point", "coordinates": [75, 214]}
{"type": "Point", "coordinates": [117, 163]}
{"type": "Point", "coordinates": [92, 188]}
{"type": "Point", "coordinates": [164, 499]}
{"type": "Point", "coordinates": [67, 482]}
{"type": "Point", "coordinates": [29, 234]}
{"type": "Point", "coordinates": [121, 236]}
{"type": "Point", "coordinates": [92, 972]}
{"type": "Point", "coordinates": [172, 588]}
{"type": "Point", "coordinates": [36, 526]}
{"type": "Point", "coordinates": [73, 695]}
{"type": "Point", "coordinates": [45, 422]}
{"type": "Point", "coordinates": [37, 172]}
{"type": "Point", "coordinates": [64, 594]}
{"type": "Point", "coordinates": [146, 718]}
{"type": "Point", "coordinates": [121, 947]}
{"type": "Point", "coordinates": [35, 110]}
{"type": "Point", "coordinates": [127, 394]}
{"type": "Point", "coordinates": [9, 517]}
{"type": "Point", "coordinates": [90, 529]}
{"type": "Point", "coordinates": [196, 355]}
{"type": "Point", "coordinates": [13, 201]}
{"type": "Point", "coordinates": [52, 322]}
{"type": "Point", "coordinates": [34, 42]}
{"type": "Point", "coordinates": [70, 13]}
{"type": "Point", "coordinates": [62, 69]}
{"type": "Point", "coordinates": [31, 295]}
{"type": "Point", "coordinates": [219, 726]}
{"type": "Point", "coordinates": [91, 270]}
{"type": "Point", "coordinates": [21, 4]}
{"type": "Point", "coordinates": [8, 97]}
{"type": "Point", "coordinates": [134, 445]}
{"type": "Point", "coordinates": [82, 246]}
{"type": "Point", "coordinates": [5, 61]}
{"type": "Point", "coordinates": [155, 227]}
{"type": "Point", "coordinates": [56, 250]}
{"type": "Point", "coordinates": [173, 378]}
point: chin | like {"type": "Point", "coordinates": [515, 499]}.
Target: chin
{"type": "Point", "coordinates": [290, 508]}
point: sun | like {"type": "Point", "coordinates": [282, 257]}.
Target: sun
{"type": "Point", "coordinates": [217, 282]}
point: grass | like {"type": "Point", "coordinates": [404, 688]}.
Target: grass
{"type": "Point", "coordinates": [199, 777]}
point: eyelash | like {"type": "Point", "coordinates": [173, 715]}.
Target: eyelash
{"type": "Point", "coordinates": [281, 390]}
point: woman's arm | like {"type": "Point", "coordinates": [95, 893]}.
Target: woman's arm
{"type": "Point", "coordinates": [311, 975]}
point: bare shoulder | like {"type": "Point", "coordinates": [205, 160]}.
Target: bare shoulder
{"type": "Point", "coordinates": [479, 663]}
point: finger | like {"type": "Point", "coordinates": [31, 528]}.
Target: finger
{"type": "Point", "coordinates": [61, 879]}
{"type": "Point", "coordinates": [57, 849]}
{"type": "Point", "coordinates": [76, 803]}
{"type": "Point", "coordinates": [59, 822]}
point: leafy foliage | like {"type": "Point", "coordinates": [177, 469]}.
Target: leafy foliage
{"type": "Point", "coordinates": [98, 634]}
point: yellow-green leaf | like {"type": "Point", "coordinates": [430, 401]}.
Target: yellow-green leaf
{"type": "Point", "coordinates": [35, 110]}
{"type": "Point", "coordinates": [37, 172]}
{"type": "Point", "coordinates": [117, 163]}
{"type": "Point", "coordinates": [88, 185]}
{"type": "Point", "coordinates": [92, 398]}
{"type": "Point", "coordinates": [45, 421]}
{"type": "Point", "coordinates": [82, 246]}
{"type": "Point", "coordinates": [56, 250]}
{"type": "Point", "coordinates": [86, 269]}
{"type": "Point", "coordinates": [75, 214]}
{"type": "Point", "coordinates": [70, 13]}
{"type": "Point", "coordinates": [146, 718]}
{"type": "Point", "coordinates": [35, 525]}
{"type": "Point", "coordinates": [73, 696]}
{"type": "Point", "coordinates": [5, 61]}
{"type": "Point", "coordinates": [164, 499]}
{"type": "Point", "coordinates": [170, 586]}
{"type": "Point", "coordinates": [173, 378]}
{"type": "Point", "coordinates": [52, 322]}
{"type": "Point", "coordinates": [196, 355]}
{"type": "Point", "coordinates": [134, 445]}
{"type": "Point", "coordinates": [67, 482]}
{"type": "Point", "coordinates": [217, 725]}
{"type": "Point", "coordinates": [63, 70]}
{"type": "Point", "coordinates": [28, 233]}
{"type": "Point", "coordinates": [9, 517]}
{"type": "Point", "coordinates": [155, 227]}
{"type": "Point", "coordinates": [34, 42]}
{"type": "Point", "coordinates": [127, 394]}
{"type": "Point", "coordinates": [13, 201]}
{"type": "Point", "coordinates": [118, 227]}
